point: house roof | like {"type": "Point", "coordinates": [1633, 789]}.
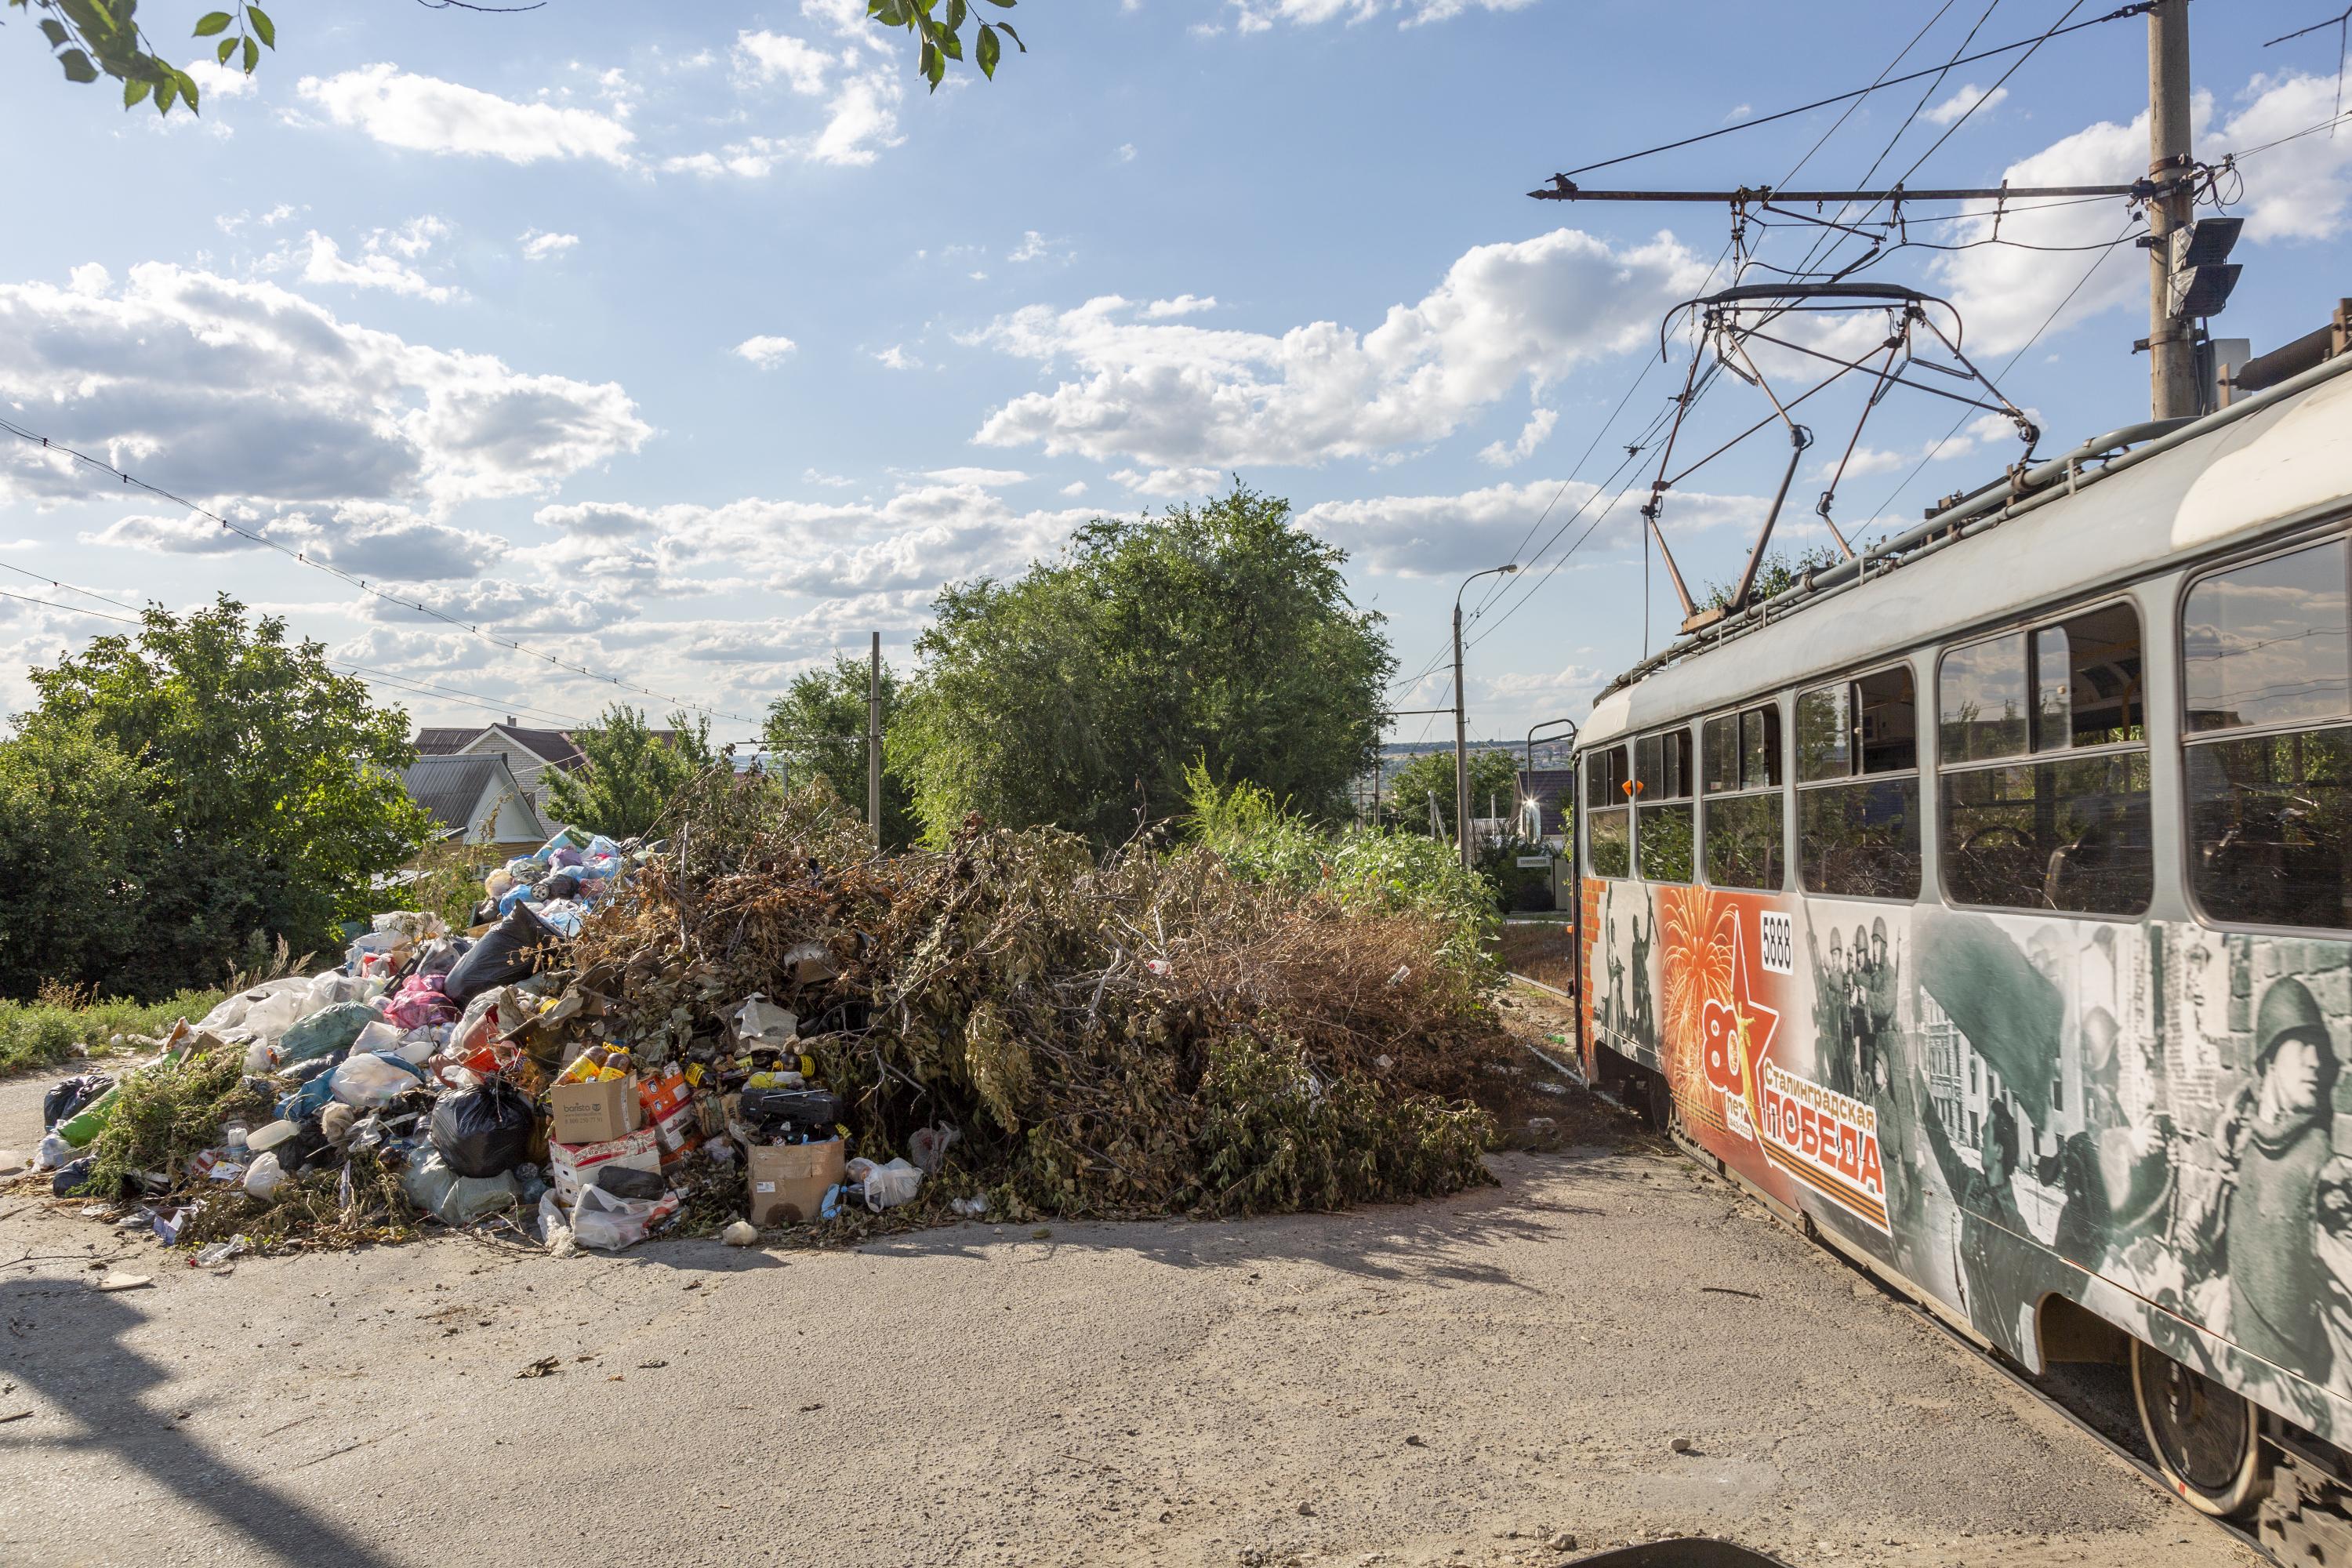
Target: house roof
{"type": "Point", "coordinates": [554, 747]}
{"type": "Point", "coordinates": [449, 788]}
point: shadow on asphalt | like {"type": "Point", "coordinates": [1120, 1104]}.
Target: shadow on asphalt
{"type": "Point", "coordinates": [1435, 1241]}
{"type": "Point", "coordinates": [68, 1341]}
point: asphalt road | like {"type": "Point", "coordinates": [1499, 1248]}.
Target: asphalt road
{"type": "Point", "coordinates": [1449, 1383]}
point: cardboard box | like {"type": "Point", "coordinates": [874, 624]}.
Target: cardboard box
{"type": "Point", "coordinates": [594, 1112]}
{"type": "Point", "coordinates": [669, 1103]}
{"type": "Point", "coordinates": [789, 1180]}
{"type": "Point", "coordinates": [575, 1166]}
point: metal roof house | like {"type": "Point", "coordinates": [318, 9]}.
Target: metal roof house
{"type": "Point", "coordinates": [528, 754]}
{"type": "Point", "coordinates": [473, 798]}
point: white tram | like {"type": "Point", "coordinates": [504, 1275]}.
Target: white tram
{"type": "Point", "coordinates": [1988, 901]}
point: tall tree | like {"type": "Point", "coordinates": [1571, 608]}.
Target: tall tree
{"type": "Point", "coordinates": [80, 835]}
{"type": "Point", "coordinates": [1494, 778]}
{"type": "Point", "coordinates": [633, 773]}
{"type": "Point", "coordinates": [818, 728]}
{"type": "Point", "coordinates": [1078, 693]}
{"type": "Point", "coordinates": [274, 780]}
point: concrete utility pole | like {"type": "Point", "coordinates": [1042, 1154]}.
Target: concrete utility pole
{"type": "Point", "coordinates": [1461, 724]}
{"type": "Point", "coordinates": [2171, 351]}
{"type": "Point", "coordinates": [874, 743]}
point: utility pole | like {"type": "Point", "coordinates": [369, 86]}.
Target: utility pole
{"type": "Point", "coordinates": [874, 743]}
{"type": "Point", "coordinates": [2173, 391]}
{"type": "Point", "coordinates": [1461, 724]}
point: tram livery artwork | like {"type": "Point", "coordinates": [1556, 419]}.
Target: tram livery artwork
{"type": "Point", "coordinates": [2000, 919]}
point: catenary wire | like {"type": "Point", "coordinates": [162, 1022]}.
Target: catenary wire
{"type": "Point", "coordinates": [415, 685]}
{"type": "Point", "coordinates": [355, 581]}
{"type": "Point", "coordinates": [2119, 15]}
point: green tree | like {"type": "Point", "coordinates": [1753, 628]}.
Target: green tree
{"type": "Point", "coordinates": [90, 37]}
{"type": "Point", "coordinates": [80, 835]}
{"type": "Point", "coordinates": [274, 783]}
{"type": "Point", "coordinates": [818, 729]}
{"type": "Point", "coordinates": [1494, 777]}
{"type": "Point", "coordinates": [1778, 573]}
{"type": "Point", "coordinates": [1078, 693]}
{"type": "Point", "coordinates": [633, 773]}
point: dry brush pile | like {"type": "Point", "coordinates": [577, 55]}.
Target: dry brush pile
{"type": "Point", "coordinates": [1154, 1033]}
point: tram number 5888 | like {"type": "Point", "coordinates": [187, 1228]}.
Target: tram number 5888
{"type": "Point", "coordinates": [1778, 942]}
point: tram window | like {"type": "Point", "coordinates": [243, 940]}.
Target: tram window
{"type": "Point", "coordinates": [1858, 800]}
{"type": "Point", "coordinates": [2264, 644]}
{"type": "Point", "coordinates": [1821, 730]}
{"type": "Point", "coordinates": [1982, 711]}
{"type": "Point", "coordinates": [2069, 833]}
{"type": "Point", "coordinates": [1608, 813]}
{"type": "Point", "coordinates": [2270, 812]}
{"type": "Point", "coordinates": [1744, 842]}
{"type": "Point", "coordinates": [1605, 778]}
{"type": "Point", "coordinates": [1665, 830]}
{"type": "Point", "coordinates": [2270, 828]}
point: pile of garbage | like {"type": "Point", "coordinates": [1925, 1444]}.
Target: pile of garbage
{"type": "Point", "coordinates": [759, 1023]}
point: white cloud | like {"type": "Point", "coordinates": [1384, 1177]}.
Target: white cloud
{"type": "Point", "coordinates": [1257, 15]}
{"type": "Point", "coordinates": [424, 114]}
{"type": "Point", "coordinates": [216, 81]}
{"type": "Point", "coordinates": [1035, 246]}
{"type": "Point", "coordinates": [90, 278]}
{"type": "Point", "coordinates": [538, 246]}
{"type": "Point", "coordinates": [370, 269]}
{"type": "Point", "coordinates": [831, 482]}
{"type": "Point", "coordinates": [986, 478]}
{"type": "Point", "coordinates": [861, 119]}
{"type": "Point", "coordinates": [369, 538]}
{"type": "Point", "coordinates": [2297, 190]}
{"type": "Point", "coordinates": [897, 358]}
{"type": "Point", "coordinates": [1127, 152]}
{"type": "Point", "coordinates": [1183, 305]}
{"type": "Point", "coordinates": [1168, 482]}
{"type": "Point", "coordinates": [909, 544]}
{"type": "Point", "coordinates": [765, 56]}
{"type": "Point", "coordinates": [1436, 535]}
{"type": "Point", "coordinates": [1075, 488]}
{"type": "Point", "coordinates": [1533, 434]}
{"type": "Point", "coordinates": [259, 393]}
{"type": "Point", "coordinates": [1739, 111]}
{"type": "Point", "coordinates": [1971, 100]}
{"type": "Point", "coordinates": [767, 352]}
{"type": "Point", "coordinates": [1179, 395]}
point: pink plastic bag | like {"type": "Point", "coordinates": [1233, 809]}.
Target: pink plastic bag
{"type": "Point", "coordinates": [420, 1004]}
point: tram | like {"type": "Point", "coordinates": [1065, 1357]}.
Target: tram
{"type": "Point", "coordinates": [1985, 903]}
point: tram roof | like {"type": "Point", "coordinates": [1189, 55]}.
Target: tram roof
{"type": "Point", "coordinates": [2289, 457]}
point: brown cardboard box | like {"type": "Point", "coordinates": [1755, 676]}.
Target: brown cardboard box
{"type": "Point", "coordinates": [594, 1112]}
{"type": "Point", "coordinates": [789, 1179]}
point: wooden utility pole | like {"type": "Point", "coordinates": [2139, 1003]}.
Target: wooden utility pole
{"type": "Point", "coordinates": [2173, 391]}
{"type": "Point", "coordinates": [874, 743]}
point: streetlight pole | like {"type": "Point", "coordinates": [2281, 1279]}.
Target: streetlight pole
{"type": "Point", "coordinates": [2171, 344]}
{"type": "Point", "coordinates": [1461, 723]}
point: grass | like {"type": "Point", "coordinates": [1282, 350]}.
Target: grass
{"type": "Point", "coordinates": [44, 1032]}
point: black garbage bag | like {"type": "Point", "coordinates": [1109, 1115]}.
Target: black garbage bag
{"type": "Point", "coordinates": [484, 1132]}
{"type": "Point", "coordinates": [563, 885]}
{"type": "Point", "coordinates": [519, 945]}
{"type": "Point", "coordinates": [71, 1175]}
{"type": "Point", "coordinates": [66, 1100]}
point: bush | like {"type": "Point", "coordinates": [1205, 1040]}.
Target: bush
{"type": "Point", "coordinates": [1371, 868]}
{"type": "Point", "coordinates": [44, 1033]}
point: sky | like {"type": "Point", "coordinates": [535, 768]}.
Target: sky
{"type": "Point", "coordinates": [669, 351]}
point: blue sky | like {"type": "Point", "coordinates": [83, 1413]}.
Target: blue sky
{"type": "Point", "coordinates": [690, 344]}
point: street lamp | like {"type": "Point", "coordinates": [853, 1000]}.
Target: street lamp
{"type": "Point", "coordinates": [1461, 736]}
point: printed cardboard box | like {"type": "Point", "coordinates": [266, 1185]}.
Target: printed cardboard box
{"type": "Point", "coordinates": [594, 1112]}
{"type": "Point", "coordinates": [575, 1166]}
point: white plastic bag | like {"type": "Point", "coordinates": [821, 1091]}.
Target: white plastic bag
{"type": "Point", "coordinates": [368, 1082]}
{"type": "Point", "coordinates": [760, 1022]}
{"type": "Point", "coordinates": [885, 1186]}
{"type": "Point", "coordinates": [377, 1038]}
{"type": "Point", "coordinates": [264, 1177]}
{"type": "Point", "coordinates": [609, 1224]}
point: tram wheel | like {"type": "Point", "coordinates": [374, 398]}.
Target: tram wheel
{"type": "Point", "coordinates": [2206, 1438]}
